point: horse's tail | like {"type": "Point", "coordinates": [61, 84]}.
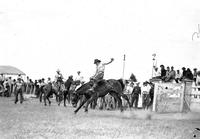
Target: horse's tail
{"type": "Point", "coordinates": [122, 83]}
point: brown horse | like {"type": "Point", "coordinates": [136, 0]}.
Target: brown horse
{"type": "Point", "coordinates": [111, 86]}
{"type": "Point", "coordinates": [60, 92]}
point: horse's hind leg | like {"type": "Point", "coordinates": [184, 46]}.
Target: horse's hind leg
{"type": "Point", "coordinates": [90, 101]}
{"type": "Point", "coordinates": [118, 99]}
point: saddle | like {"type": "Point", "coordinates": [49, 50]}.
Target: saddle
{"type": "Point", "coordinates": [105, 83]}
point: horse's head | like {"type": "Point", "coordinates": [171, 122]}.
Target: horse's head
{"type": "Point", "coordinates": [74, 99]}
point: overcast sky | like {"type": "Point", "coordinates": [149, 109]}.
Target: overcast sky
{"type": "Point", "coordinates": [40, 36]}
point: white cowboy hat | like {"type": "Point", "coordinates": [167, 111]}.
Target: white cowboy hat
{"type": "Point", "coordinates": [58, 70]}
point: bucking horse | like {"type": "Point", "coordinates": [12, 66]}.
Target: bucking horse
{"type": "Point", "coordinates": [111, 86]}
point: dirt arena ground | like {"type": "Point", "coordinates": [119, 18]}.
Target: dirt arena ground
{"type": "Point", "coordinates": [33, 120]}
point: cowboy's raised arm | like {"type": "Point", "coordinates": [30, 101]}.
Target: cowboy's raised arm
{"type": "Point", "coordinates": [112, 59]}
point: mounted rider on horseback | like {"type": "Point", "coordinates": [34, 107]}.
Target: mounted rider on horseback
{"type": "Point", "coordinates": [59, 80]}
{"type": "Point", "coordinates": [99, 74]}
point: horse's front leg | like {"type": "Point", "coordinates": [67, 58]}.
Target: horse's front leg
{"type": "Point", "coordinates": [82, 103]}
{"type": "Point", "coordinates": [65, 97]}
{"type": "Point", "coordinates": [93, 97]}
{"type": "Point", "coordinates": [47, 97]}
{"type": "Point", "coordinates": [59, 98]}
{"type": "Point", "coordinates": [45, 103]}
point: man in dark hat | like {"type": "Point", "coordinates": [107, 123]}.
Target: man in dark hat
{"type": "Point", "coordinates": [99, 74]}
{"type": "Point", "coordinates": [184, 72]}
{"type": "Point", "coordinates": [135, 95]}
{"type": "Point", "coordinates": [163, 71]}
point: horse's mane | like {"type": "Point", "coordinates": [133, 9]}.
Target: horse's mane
{"type": "Point", "coordinates": [122, 83]}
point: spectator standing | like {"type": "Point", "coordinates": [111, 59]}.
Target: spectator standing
{"type": "Point", "coordinates": [135, 95]}
{"type": "Point", "coordinates": [2, 79]}
{"type": "Point", "coordinates": [36, 88]}
{"type": "Point", "coordinates": [41, 85]}
{"type": "Point", "coordinates": [6, 87]}
{"type": "Point", "coordinates": [145, 94]}
{"type": "Point", "coordinates": [10, 83]}
{"type": "Point", "coordinates": [19, 85]}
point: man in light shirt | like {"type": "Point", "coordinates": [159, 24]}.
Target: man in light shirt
{"type": "Point", "coordinates": [49, 80]}
{"type": "Point", "coordinates": [145, 89]}
{"type": "Point", "coordinates": [99, 74]}
{"type": "Point", "coordinates": [178, 76]}
{"type": "Point", "coordinates": [78, 80]}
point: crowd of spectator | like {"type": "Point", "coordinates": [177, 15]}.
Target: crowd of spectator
{"type": "Point", "coordinates": [177, 76]}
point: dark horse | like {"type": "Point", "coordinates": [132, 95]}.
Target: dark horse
{"type": "Point", "coordinates": [61, 94]}
{"type": "Point", "coordinates": [111, 86]}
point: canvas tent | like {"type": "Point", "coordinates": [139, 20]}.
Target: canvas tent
{"type": "Point", "coordinates": [10, 70]}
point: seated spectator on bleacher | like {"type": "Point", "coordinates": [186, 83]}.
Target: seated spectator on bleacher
{"type": "Point", "coordinates": [167, 71]}
{"type": "Point", "coordinates": [163, 71]}
{"type": "Point", "coordinates": [156, 73]}
{"type": "Point", "coordinates": [198, 79]}
{"type": "Point", "coordinates": [178, 76]}
{"type": "Point", "coordinates": [183, 76]}
{"type": "Point", "coordinates": [170, 74]}
{"type": "Point", "coordinates": [195, 74]}
{"type": "Point", "coordinates": [189, 74]}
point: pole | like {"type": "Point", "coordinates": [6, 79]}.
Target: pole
{"type": "Point", "coordinates": [154, 55]}
{"type": "Point", "coordinates": [123, 66]}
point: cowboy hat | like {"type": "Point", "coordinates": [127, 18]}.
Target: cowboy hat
{"type": "Point", "coordinates": [58, 70]}
{"type": "Point", "coordinates": [97, 61]}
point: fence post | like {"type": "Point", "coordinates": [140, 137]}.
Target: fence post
{"type": "Point", "coordinates": [155, 97]}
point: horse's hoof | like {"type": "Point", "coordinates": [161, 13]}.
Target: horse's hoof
{"type": "Point", "coordinates": [64, 105]}
{"type": "Point", "coordinates": [75, 112]}
{"type": "Point", "coordinates": [86, 110]}
{"type": "Point", "coordinates": [45, 104]}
